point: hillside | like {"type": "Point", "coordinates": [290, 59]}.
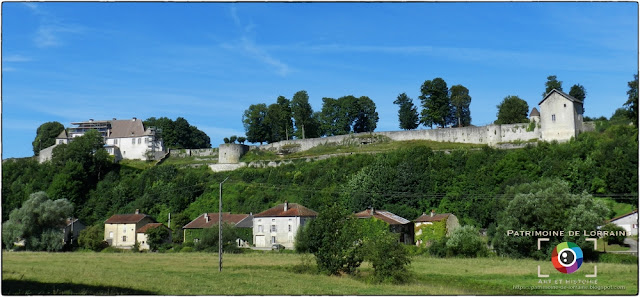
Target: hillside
{"type": "Point", "coordinates": [406, 178]}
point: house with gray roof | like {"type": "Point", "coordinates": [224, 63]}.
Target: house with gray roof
{"type": "Point", "coordinates": [397, 224]}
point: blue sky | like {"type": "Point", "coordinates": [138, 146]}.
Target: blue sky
{"type": "Point", "coordinates": [207, 62]}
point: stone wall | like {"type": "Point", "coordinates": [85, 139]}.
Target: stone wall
{"type": "Point", "coordinates": [181, 153]}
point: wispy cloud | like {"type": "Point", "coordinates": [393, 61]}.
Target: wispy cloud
{"type": "Point", "coordinates": [51, 28]}
{"type": "Point", "coordinates": [16, 58]}
{"type": "Point", "coordinates": [255, 51]}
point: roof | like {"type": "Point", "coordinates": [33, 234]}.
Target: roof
{"type": "Point", "coordinates": [435, 218]}
{"type": "Point", "coordinates": [70, 221]}
{"type": "Point", "coordinates": [126, 218]}
{"type": "Point", "coordinates": [146, 227]}
{"type": "Point", "coordinates": [563, 94]}
{"type": "Point", "coordinates": [384, 215]}
{"type": "Point", "coordinates": [62, 135]}
{"type": "Point", "coordinates": [201, 221]}
{"type": "Point", "coordinates": [293, 210]}
{"type": "Point", "coordinates": [534, 113]}
{"type": "Point", "coordinates": [622, 216]}
{"type": "Point", "coordinates": [126, 128]}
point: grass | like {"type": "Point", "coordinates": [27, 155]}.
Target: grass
{"type": "Point", "coordinates": [137, 164]}
{"type": "Point", "coordinates": [379, 147]}
{"type": "Point", "coordinates": [274, 274]}
{"type": "Point", "coordinates": [611, 247]}
{"type": "Point", "coordinates": [192, 160]}
{"type": "Point", "coordinates": [618, 208]}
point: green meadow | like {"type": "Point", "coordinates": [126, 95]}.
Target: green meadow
{"type": "Point", "coordinates": [270, 273]}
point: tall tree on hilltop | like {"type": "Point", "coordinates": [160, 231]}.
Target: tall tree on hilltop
{"type": "Point", "coordinates": [254, 123]}
{"type": "Point", "coordinates": [632, 102]}
{"type": "Point", "coordinates": [552, 83]}
{"type": "Point", "coordinates": [337, 114]}
{"type": "Point", "coordinates": [46, 136]}
{"type": "Point", "coordinates": [512, 110]}
{"type": "Point", "coordinates": [436, 104]}
{"type": "Point", "coordinates": [407, 113]}
{"type": "Point", "coordinates": [579, 92]}
{"type": "Point", "coordinates": [302, 112]}
{"type": "Point", "coordinates": [460, 101]}
{"type": "Point", "coordinates": [286, 120]}
{"type": "Point", "coordinates": [366, 119]}
{"type": "Point", "coordinates": [274, 123]}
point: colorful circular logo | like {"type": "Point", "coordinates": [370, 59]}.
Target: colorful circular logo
{"type": "Point", "coordinates": [567, 257]}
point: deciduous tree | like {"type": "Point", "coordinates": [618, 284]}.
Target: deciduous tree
{"type": "Point", "coordinates": [302, 112]}
{"type": "Point", "coordinates": [254, 123]}
{"type": "Point", "coordinates": [460, 101]}
{"type": "Point", "coordinates": [436, 103]}
{"type": "Point", "coordinates": [632, 102]}
{"type": "Point", "coordinates": [552, 83]}
{"type": "Point", "coordinates": [156, 237]}
{"type": "Point", "coordinates": [46, 136]}
{"type": "Point", "coordinates": [512, 110]}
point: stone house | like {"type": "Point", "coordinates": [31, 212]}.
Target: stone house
{"type": "Point", "coordinates": [397, 224]}
{"type": "Point", "coordinates": [627, 221]}
{"type": "Point", "coordinates": [451, 222]}
{"type": "Point", "coordinates": [123, 139]}
{"type": "Point", "coordinates": [141, 237]}
{"type": "Point", "coordinates": [561, 116]}
{"type": "Point", "coordinates": [120, 230]}
{"type": "Point", "coordinates": [279, 224]}
{"type": "Point", "coordinates": [193, 230]}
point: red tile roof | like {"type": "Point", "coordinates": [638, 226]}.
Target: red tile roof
{"type": "Point", "coordinates": [201, 221]}
{"type": "Point", "coordinates": [622, 216]}
{"type": "Point", "coordinates": [434, 218]}
{"type": "Point", "coordinates": [146, 227]}
{"type": "Point", "coordinates": [126, 218]}
{"type": "Point", "coordinates": [384, 215]}
{"type": "Point", "coordinates": [293, 210]}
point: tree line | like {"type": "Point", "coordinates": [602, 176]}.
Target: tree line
{"type": "Point", "coordinates": [340, 116]}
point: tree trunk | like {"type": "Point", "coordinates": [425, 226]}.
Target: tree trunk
{"type": "Point", "coordinates": [459, 122]}
{"type": "Point", "coordinates": [302, 131]}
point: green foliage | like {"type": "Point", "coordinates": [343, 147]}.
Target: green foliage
{"type": "Point", "coordinates": [512, 110]}
{"type": "Point", "coordinates": [436, 104]}
{"type": "Point", "coordinates": [552, 83]}
{"type": "Point", "coordinates": [254, 123]}
{"type": "Point", "coordinates": [156, 237]}
{"type": "Point", "coordinates": [242, 139]}
{"type": "Point", "coordinates": [92, 238]}
{"type": "Point", "coordinates": [632, 102]}
{"type": "Point", "coordinates": [611, 227]}
{"type": "Point", "coordinates": [621, 116]}
{"type": "Point", "coordinates": [226, 140]}
{"type": "Point", "coordinates": [389, 258]}
{"type": "Point", "coordinates": [431, 233]}
{"type": "Point", "coordinates": [209, 242]}
{"type": "Point", "coordinates": [302, 114]}
{"type": "Point", "coordinates": [179, 133]}
{"type": "Point", "coordinates": [466, 242]}
{"type": "Point", "coordinates": [579, 92]}
{"type": "Point", "coordinates": [39, 222]}
{"type": "Point", "coordinates": [46, 136]}
{"type": "Point", "coordinates": [302, 244]}
{"type": "Point", "coordinates": [532, 126]}
{"type": "Point", "coordinates": [460, 101]}
{"type": "Point", "coordinates": [186, 249]}
{"type": "Point", "coordinates": [617, 258]}
{"type": "Point", "coordinates": [439, 248]}
{"type": "Point", "coordinates": [546, 205]}
{"type": "Point", "coordinates": [407, 113]}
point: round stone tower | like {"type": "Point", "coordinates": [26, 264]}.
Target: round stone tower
{"type": "Point", "coordinates": [230, 153]}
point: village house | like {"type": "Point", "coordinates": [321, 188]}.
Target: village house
{"type": "Point", "coordinates": [72, 231]}
{"type": "Point", "coordinates": [397, 224]}
{"type": "Point", "coordinates": [120, 230]}
{"type": "Point", "coordinates": [561, 116]}
{"type": "Point", "coordinates": [123, 139]}
{"type": "Point", "coordinates": [141, 235]}
{"type": "Point", "coordinates": [193, 230]}
{"type": "Point", "coordinates": [451, 222]}
{"type": "Point", "coordinates": [279, 224]}
{"type": "Point", "coordinates": [628, 222]}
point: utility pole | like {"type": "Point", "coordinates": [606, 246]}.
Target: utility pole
{"type": "Point", "coordinates": [220, 227]}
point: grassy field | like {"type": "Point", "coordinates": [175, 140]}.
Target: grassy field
{"type": "Point", "coordinates": [276, 274]}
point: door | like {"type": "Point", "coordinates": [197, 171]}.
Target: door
{"type": "Point", "coordinates": [260, 241]}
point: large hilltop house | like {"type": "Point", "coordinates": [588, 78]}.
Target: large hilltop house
{"type": "Point", "coordinates": [124, 139]}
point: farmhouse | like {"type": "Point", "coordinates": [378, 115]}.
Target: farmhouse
{"type": "Point", "coordinates": [72, 230]}
{"type": "Point", "coordinates": [193, 230]}
{"type": "Point", "coordinates": [561, 116]}
{"type": "Point", "coordinates": [397, 224]}
{"type": "Point", "coordinates": [120, 230]}
{"type": "Point", "coordinates": [141, 237]}
{"type": "Point", "coordinates": [428, 219]}
{"type": "Point", "coordinates": [124, 139]}
{"type": "Point", "coordinates": [627, 221]}
{"type": "Point", "coordinates": [279, 224]}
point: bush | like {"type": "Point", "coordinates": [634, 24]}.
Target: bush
{"type": "Point", "coordinates": [93, 238]}
{"type": "Point", "coordinates": [466, 242]}
{"type": "Point", "coordinates": [439, 248]}
{"type": "Point", "coordinates": [389, 258]}
{"type": "Point", "coordinates": [617, 258]}
{"type": "Point", "coordinates": [111, 249]}
{"type": "Point", "coordinates": [186, 249]}
{"type": "Point", "coordinates": [613, 239]}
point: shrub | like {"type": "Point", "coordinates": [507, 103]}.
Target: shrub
{"type": "Point", "coordinates": [617, 258]}
{"type": "Point", "coordinates": [111, 249]}
{"type": "Point", "coordinates": [466, 242]}
{"type": "Point", "coordinates": [611, 227]}
{"type": "Point", "coordinates": [439, 248]}
{"type": "Point", "coordinates": [186, 249]}
{"type": "Point", "coordinates": [389, 258]}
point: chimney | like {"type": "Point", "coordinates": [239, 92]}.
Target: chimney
{"type": "Point", "coordinates": [114, 119]}
{"type": "Point", "coordinates": [373, 211]}
{"type": "Point", "coordinates": [134, 119]}
{"type": "Point", "coordinates": [90, 120]}
{"type": "Point", "coordinates": [433, 212]}
{"type": "Point", "coordinates": [206, 217]}
{"type": "Point", "coordinates": [137, 211]}
{"type": "Point", "coordinates": [286, 205]}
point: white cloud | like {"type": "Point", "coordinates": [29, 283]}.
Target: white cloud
{"type": "Point", "coordinates": [51, 28]}
{"type": "Point", "coordinates": [15, 58]}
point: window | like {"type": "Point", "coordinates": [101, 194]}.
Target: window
{"type": "Point", "coordinates": [146, 140]}
{"type": "Point", "coordinates": [139, 140]}
{"type": "Point", "coordinates": [124, 238]}
{"type": "Point", "coordinates": [273, 239]}
{"type": "Point", "coordinates": [124, 229]}
{"type": "Point", "coordinates": [289, 228]}
{"type": "Point", "coordinates": [115, 141]}
{"type": "Point", "coordinates": [273, 228]}
{"type": "Point", "coordinates": [133, 141]}
{"type": "Point", "coordinates": [60, 141]}
{"type": "Point", "coordinates": [111, 234]}
{"type": "Point", "coordinates": [553, 117]}
{"type": "Point", "coordinates": [260, 228]}
{"type": "Point", "coordinates": [273, 220]}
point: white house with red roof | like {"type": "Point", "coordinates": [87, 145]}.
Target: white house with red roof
{"type": "Point", "coordinates": [628, 221]}
{"type": "Point", "coordinates": [120, 230]}
{"type": "Point", "coordinates": [279, 224]}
